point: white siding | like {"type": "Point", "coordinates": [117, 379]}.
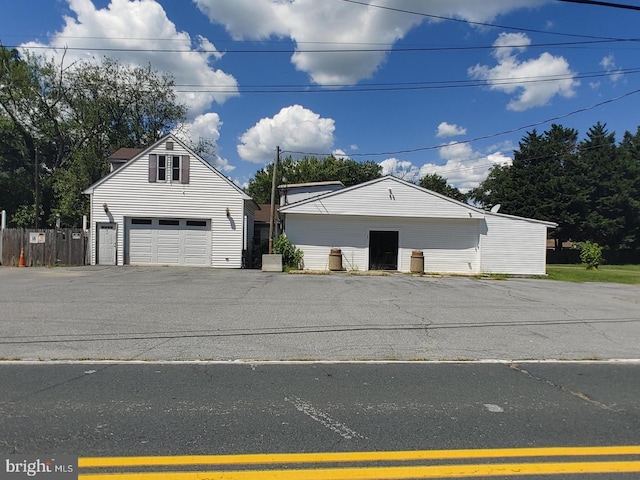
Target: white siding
{"type": "Point", "coordinates": [297, 194]}
{"type": "Point", "coordinates": [514, 246]}
{"type": "Point", "coordinates": [387, 197]}
{"type": "Point", "coordinates": [449, 245]}
{"type": "Point", "coordinates": [128, 193]}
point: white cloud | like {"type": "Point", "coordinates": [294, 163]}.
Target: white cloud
{"type": "Point", "coordinates": [448, 130]}
{"type": "Point", "coordinates": [205, 130]}
{"type": "Point", "coordinates": [294, 128]}
{"type": "Point", "coordinates": [513, 76]}
{"type": "Point", "coordinates": [609, 64]}
{"type": "Point", "coordinates": [142, 26]}
{"type": "Point", "coordinates": [340, 154]}
{"type": "Point", "coordinates": [311, 23]}
{"type": "Point", "coordinates": [401, 169]}
{"type": "Point", "coordinates": [463, 168]}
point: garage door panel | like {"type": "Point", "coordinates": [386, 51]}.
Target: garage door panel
{"type": "Point", "coordinates": [196, 246]}
{"type": "Point", "coordinates": [169, 242]}
{"type": "Point", "coordinates": [140, 244]}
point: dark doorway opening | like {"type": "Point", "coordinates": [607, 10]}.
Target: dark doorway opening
{"type": "Point", "coordinates": [383, 250]}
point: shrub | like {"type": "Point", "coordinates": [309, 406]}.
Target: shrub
{"type": "Point", "coordinates": [590, 254]}
{"type": "Point", "coordinates": [291, 255]}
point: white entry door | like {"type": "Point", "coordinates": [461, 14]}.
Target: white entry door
{"type": "Point", "coordinates": [107, 241]}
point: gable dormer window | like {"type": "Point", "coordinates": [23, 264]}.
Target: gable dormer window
{"type": "Point", "coordinates": [175, 168]}
{"type": "Point", "coordinates": [169, 168]}
{"type": "Point", "coordinates": [162, 168]}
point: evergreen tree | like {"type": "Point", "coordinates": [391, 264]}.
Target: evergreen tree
{"type": "Point", "coordinates": [591, 189]}
{"type": "Point", "coordinates": [629, 152]}
{"type": "Point", "coordinates": [540, 183]}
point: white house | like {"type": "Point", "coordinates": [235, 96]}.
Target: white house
{"type": "Point", "coordinates": [165, 205]}
{"type": "Point", "coordinates": [378, 224]}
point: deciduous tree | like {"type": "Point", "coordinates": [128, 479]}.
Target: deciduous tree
{"type": "Point", "coordinates": [71, 116]}
{"type": "Point", "coordinates": [312, 169]}
{"type": "Point", "coordinates": [438, 183]}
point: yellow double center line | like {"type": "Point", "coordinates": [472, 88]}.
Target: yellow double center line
{"type": "Point", "coordinates": [219, 467]}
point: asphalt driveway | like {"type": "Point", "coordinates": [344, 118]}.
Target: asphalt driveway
{"type": "Point", "coordinates": [173, 313]}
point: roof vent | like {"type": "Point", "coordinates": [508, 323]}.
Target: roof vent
{"type": "Point", "coordinates": [169, 145]}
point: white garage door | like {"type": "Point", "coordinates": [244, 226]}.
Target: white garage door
{"type": "Point", "coordinates": [168, 241]}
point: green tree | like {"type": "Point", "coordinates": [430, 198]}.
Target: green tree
{"type": "Point", "coordinates": [612, 178]}
{"type": "Point", "coordinates": [437, 183]}
{"type": "Point", "coordinates": [71, 117]}
{"type": "Point", "coordinates": [311, 169]}
{"type": "Point", "coordinates": [629, 154]}
{"type": "Point", "coordinates": [16, 176]}
{"type": "Point", "coordinates": [591, 188]}
{"type": "Point", "coordinates": [541, 183]}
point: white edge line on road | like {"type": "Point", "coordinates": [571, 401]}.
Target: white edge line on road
{"type": "Point", "coordinates": [248, 362]}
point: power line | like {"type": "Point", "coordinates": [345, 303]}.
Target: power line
{"type": "Point", "coordinates": [389, 45]}
{"type": "Point", "coordinates": [395, 86]}
{"type": "Point", "coordinates": [470, 22]}
{"type": "Point", "coordinates": [476, 139]}
{"type": "Point", "coordinates": [604, 4]}
{"type": "Point", "coordinates": [389, 49]}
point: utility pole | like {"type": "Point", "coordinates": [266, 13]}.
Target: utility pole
{"type": "Point", "coordinates": [36, 177]}
{"type": "Point", "coordinates": [273, 200]}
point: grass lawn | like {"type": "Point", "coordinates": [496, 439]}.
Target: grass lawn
{"type": "Point", "coordinates": [605, 273]}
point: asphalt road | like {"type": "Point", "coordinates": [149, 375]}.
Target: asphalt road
{"type": "Point", "coordinates": [175, 313]}
{"type": "Point", "coordinates": [113, 410]}
{"type": "Point", "coordinates": [56, 397]}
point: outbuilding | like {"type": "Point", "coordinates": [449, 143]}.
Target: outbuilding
{"type": "Point", "coordinates": [380, 224]}
{"type": "Point", "coordinates": [165, 205]}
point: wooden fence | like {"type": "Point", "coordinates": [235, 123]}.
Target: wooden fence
{"type": "Point", "coordinates": [67, 246]}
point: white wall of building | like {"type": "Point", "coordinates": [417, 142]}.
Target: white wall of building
{"type": "Point", "coordinates": [514, 245]}
{"type": "Point", "coordinates": [454, 237]}
{"type": "Point", "coordinates": [449, 245]}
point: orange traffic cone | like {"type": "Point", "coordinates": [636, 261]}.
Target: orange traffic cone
{"type": "Point", "coordinates": [22, 262]}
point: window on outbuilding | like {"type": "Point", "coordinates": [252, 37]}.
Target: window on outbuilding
{"type": "Point", "coordinates": [175, 168]}
{"type": "Point", "coordinates": [162, 168]}
{"type": "Point", "coordinates": [171, 222]}
{"type": "Point", "coordinates": [169, 168]}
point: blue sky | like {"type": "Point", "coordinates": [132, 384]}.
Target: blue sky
{"type": "Point", "coordinates": [396, 81]}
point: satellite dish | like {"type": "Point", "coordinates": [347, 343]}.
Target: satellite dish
{"type": "Point", "coordinates": [495, 208]}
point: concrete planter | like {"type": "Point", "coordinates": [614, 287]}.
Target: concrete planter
{"type": "Point", "coordinates": [272, 263]}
